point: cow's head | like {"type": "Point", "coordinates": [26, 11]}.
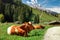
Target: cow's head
{"type": "Point", "coordinates": [27, 26]}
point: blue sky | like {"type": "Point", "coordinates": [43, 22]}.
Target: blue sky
{"type": "Point", "coordinates": [53, 5]}
{"type": "Point", "coordinates": [46, 3]}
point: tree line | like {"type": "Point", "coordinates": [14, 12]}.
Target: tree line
{"type": "Point", "coordinates": [15, 10]}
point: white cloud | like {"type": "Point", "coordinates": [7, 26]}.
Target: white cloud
{"type": "Point", "coordinates": [34, 1]}
{"type": "Point", "coordinates": [28, 2]}
{"type": "Point", "coordinates": [39, 4]}
{"type": "Point", "coordinates": [34, 4]}
{"type": "Point", "coordinates": [55, 9]}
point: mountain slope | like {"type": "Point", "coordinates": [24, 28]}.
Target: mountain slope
{"type": "Point", "coordinates": [43, 16]}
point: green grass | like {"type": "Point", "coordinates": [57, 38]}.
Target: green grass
{"type": "Point", "coordinates": [45, 17]}
{"type": "Point", "coordinates": [36, 34]}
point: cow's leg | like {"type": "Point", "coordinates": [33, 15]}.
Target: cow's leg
{"type": "Point", "coordinates": [25, 34]}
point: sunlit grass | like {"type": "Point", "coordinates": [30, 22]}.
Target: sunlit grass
{"type": "Point", "coordinates": [36, 34]}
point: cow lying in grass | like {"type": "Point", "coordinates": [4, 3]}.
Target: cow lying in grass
{"type": "Point", "coordinates": [23, 30]}
{"type": "Point", "coordinates": [16, 30]}
{"type": "Point", "coordinates": [20, 30]}
{"type": "Point", "coordinates": [27, 26]}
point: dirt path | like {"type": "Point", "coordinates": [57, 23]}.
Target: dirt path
{"type": "Point", "coordinates": [53, 33]}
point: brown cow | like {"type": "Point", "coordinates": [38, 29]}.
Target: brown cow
{"type": "Point", "coordinates": [16, 30]}
{"type": "Point", "coordinates": [27, 26]}
{"type": "Point", "coordinates": [23, 29]}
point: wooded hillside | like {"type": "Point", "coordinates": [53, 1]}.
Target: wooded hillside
{"type": "Point", "coordinates": [15, 10]}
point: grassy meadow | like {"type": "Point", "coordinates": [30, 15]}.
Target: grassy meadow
{"type": "Point", "coordinates": [36, 34]}
{"type": "Point", "coordinates": [15, 10]}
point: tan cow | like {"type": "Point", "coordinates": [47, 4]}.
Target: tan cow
{"type": "Point", "coordinates": [38, 27]}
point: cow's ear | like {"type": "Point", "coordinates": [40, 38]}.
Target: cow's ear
{"type": "Point", "coordinates": [29, 22]}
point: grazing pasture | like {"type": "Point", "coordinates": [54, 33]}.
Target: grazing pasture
{"type": "Point", "coordinates": [36, 34]}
